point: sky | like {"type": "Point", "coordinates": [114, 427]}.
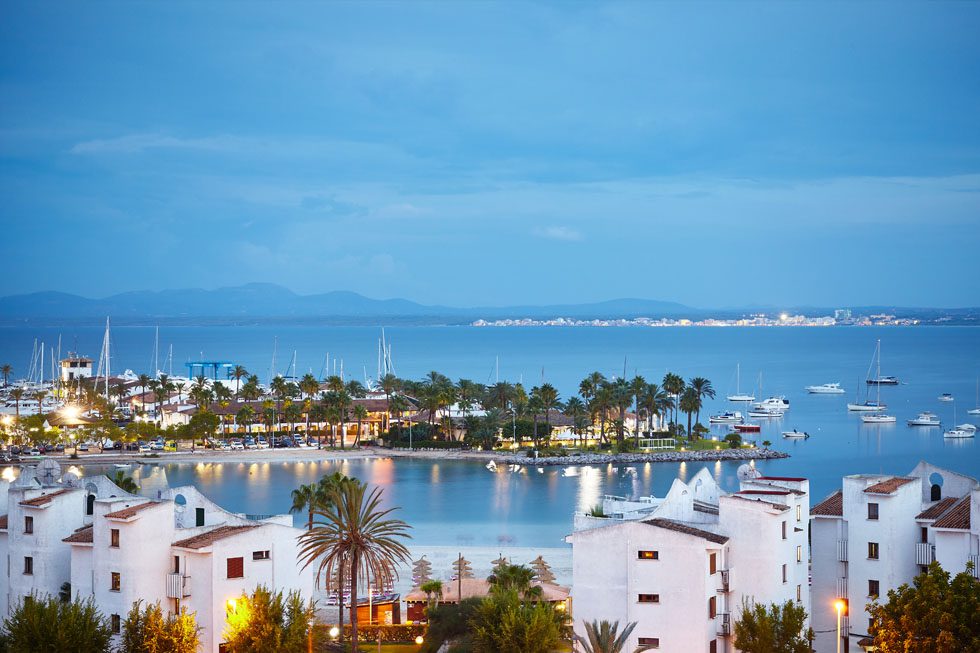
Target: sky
{"type": "Point", "coordinates": [474, 153]}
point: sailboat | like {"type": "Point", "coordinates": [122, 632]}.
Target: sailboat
{"type": "Point", "coordinates": [976, 411]}
{"type": "Point", "coordinates": [879, 379]}
{"type": "Point", "coordinates": [738, 396]}
{"type": "Point", "coordinates": [879, 418]}
{"type": "Point", "coordinates": [868, 405]}
{"type": "Point", "coordinates": [961, 431]}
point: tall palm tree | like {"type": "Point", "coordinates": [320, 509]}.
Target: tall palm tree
{"type": "Point", "coordinates": [602, 637]}
{"type": "Point", "coordinates": [238, 373]}
{"type": "Point", "coordinates": [357, 534]}
{"type": "Point", "coordinates": [6, 369]}
{"type": "Point", "coordinates": [638, 387]}
{"type": "Point", "coordinates": [360, 414]}
{"type": "Point", "coordinates": [654, 402]}
{"type": "Point", "coordinates": [674, 386]}
{"type": "Point", "coordinates": [575, 409]}
{"type": "Point", "coordinates": [389, 384]}
{"type": "Point", "coordinates": [17, 394]}
{"type": "Point", "coordinates": [550, 401]}
{"type": "Point", "coordinates": [622, 397]}
{"type": "Point", "coordinates": [703, 388]}
{"type": "Point", "coordinates": [689, 404]}
{"type": "Point", "coordinates": [308, 498]}
{"type": "Point", "coordinates": [309, 386]}
{"type": "Point", "coordinates": [39, 396]}
{"type": "Point", "coordinates": [143, 381]}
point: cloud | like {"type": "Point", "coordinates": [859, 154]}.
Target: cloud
{"type": "Point", "coordinates": [558, 233]}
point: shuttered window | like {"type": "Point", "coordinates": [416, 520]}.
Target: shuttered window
{"type": "Point", "coordinates": [236, 567]}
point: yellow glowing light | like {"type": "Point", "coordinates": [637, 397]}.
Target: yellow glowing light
{"type": "Point", "coordinates": [8, 474]}
{"type": "Point", "coordinates": [419, 640]}
{"type": "Point", "coordinates": [8, 420]}
{"type": "Point", "coordinates": [560, 607]}
{"type": "Point", "coordinates": [232, 604]}
{"type": "Point", "coordinates": [334, 631]}
{"type": "Point", "coordinates": [839, 606]}
{"type": "Point", "coordinates": [71, 412]}
{"type": "Point", "coordinates": [783, 317]}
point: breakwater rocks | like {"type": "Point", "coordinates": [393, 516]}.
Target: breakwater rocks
{"type": "Point", "coordinates": [605, 458]}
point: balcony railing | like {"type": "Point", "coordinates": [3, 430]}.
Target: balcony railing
{"type": "Point", "coordinates": [726, 581]}
{"type": "Point", "coordinates": [842, 588]}
{"type": "Point", "coordinates": [178, 586]}
{"type": "Point", "coordinates": [975, 559]}
{"type": "Point", "coordinates": [925, 553]}
{"type": "Point", "coordinates": [724, 623]}
{"type": "Point", "coordinates": [842, 550]}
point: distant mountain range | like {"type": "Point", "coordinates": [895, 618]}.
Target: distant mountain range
{"type": "Point", "coordinates": [269, 303]}
{"type": "Point", "coordinates": [261, 302]}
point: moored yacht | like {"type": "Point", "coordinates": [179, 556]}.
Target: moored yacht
{"type": "Point", "coordinates": [779, 403]}
{"type": "Point", "coordinates": [825, 389]}
{"type": "Point", "coordinates": [739, 395]}
{"type": "Point", "coordinates": [945, 397]}
{"type": "Point", "coordinates": [795, 434]}
{"type": "Point", "coordinates": [959, 433]}
{"type": "Point", "coordinates": [878, 419]}
{"type": "Point", "coordinates": [769, 411]}
{"type": "Point", "coordinates": [728, 417]}
{"type": "Point", "coordinates": [748, 428]}
{"type": "Point", "coordinates": [867, 406]}
{"type": "Point", "coordinates": [967, 427]}
{"type": "Point", "coordinates": [883, 380]}
{"type": "Point", "coordinates": [925, 419]}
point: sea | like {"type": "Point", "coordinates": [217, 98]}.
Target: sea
{"type": "Point", "coordinates": [459, 503]}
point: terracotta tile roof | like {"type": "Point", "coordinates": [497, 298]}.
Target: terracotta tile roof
{"type": "Point", "coordinates": [3, 522]}
{"type": "Point", "coordinates": [81, 536]}
{"type": "Point", "coordinates": [208, 538]}
{"type": "Point", "coordinates": [687, 530]}
{"type": "Point", "coordinates": [832, 506]}
{"type": "Point", "coordinates": [129, 511]}
{"type": "Point", "coordinates": [887, 486]}
{"type": "Point", "coordinates": [780, 478]}
{"type": "Point", "coordinates": [45, 499]}
{"type": "Point", "coordinates": [937, 510]}
{"type": "Point", "coordinates": [958, 517]}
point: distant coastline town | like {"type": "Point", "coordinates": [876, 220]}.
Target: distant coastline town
{"type": "Point", "coordinates": [841, 317]}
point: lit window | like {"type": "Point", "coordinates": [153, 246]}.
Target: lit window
{"type": "Point", "coordinates": [648, 598]}
{"type": "Point", "coordinates": [799, 512]}
{"type": "Point", "coordinates": [648, 555]}
{"type": "Point", "coordinates": [799, 553]}
{"type": "Point", "coordinates": [872, 550]}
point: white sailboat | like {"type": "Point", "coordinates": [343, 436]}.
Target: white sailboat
{"type": "Point", "coordinates": [879, 418]}
{"type": "Point", "coordinates": [739, 396]}
{"type": "Point", "coordinates": [869, 406]}
{"type": "Point", "coordinates": [961, 431]}
{"type": "Point", "coordinates": [976, 411]}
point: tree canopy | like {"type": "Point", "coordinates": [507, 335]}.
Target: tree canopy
{"type": "Point", "coordinates": [772, 629]}
{"type": "Point", "coordinates": [48, 625]}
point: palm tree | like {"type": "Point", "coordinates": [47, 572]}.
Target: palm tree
{"type": "Point", "coordinates": [17, 394]}
{"type": "Point", "coordinates": [622, 397]}
{"type": "Point", "coordinates": [703, 388]}
{"type": "Point", "coordinates": [638, 386]}
{"type": "Point", "coordinates": [690, 403]}
{"type": "Point", "coordinates": [123, 482]}
{"type": "Point", "coordinates": [6, 369]}
{"type": "Point", "coordinates": [602, 637]}
{"type": "Point", "coordinates": [143, 381]}
{"type": "Point", "coordinates": [360, 414]}
{"type": "Point", "coordinates": [238, 373]}
{"type": "Point", "coordinates": [357, 534]}
{"type": "Point", "coordinates": [244, 417]}
{"type": "Point", "coordinates": [515, 577]}
{"type": "Point", "coordinates": [39, 396]}
{"type": "Point", "coordinates": [433, 592]}
{"type": "Point", "coordinates": [548, 395]}
{"type": "Point", "coordinates": [575, 409]}
{"type": "Point", "coordinates": [309, 386]}
{"type": "Point", "coordinates": [654, 402]}
{"type": "Point", "coordinates": [389, 384]}
{"type": "Point", "coordinates": [308, 498]}
{"type": "Point", "coordinates": [674, 386]}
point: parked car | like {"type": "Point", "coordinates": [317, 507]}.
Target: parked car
{"type": "Point", "coordinates": [35, 451]}
{"type": "Point", "coordinates": [144, 448]}
{"type": "Point", "coordinates": [236, 445]}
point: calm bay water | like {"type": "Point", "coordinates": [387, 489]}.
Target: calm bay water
{"type": "Point", "coordinates": [462, 503]}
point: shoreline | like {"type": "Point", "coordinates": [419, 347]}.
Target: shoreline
{"type": "Point", "coordinates": [208, 456]}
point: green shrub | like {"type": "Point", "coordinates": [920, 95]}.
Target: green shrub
{"type": "Point", "coordinates": [48, 625]}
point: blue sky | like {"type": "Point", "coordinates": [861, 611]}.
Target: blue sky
{"type": "Point", "coordinates": [476, 153]}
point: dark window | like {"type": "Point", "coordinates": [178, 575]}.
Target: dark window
{"type": "Point", "coordinates": [713, 646]}
{"type": "Point", "coordinates": [114, 581]}
{"type": "Point", "coordinates": [873, 588]}
{"type": "Point", "coordinates": [712, 563]}
{"type": "Point", "coordinates": [114, 538]}
{"type": "Point", "coordinates": [648, 555]}
{"type": "Point", "coordinates": [652, 642]}
{"type": "Point", "coordinates": [199, 516]}
{"type": "Point", "coordinates": [28, 566]}
{"type": "Point", "coordinates": [236, 567]}
{"type": "Point", "coordinates": [784, 530]}
{"type": "Point", "coordinates": [872, 550]}
{"type": "Point", "coordinates": [648, 598]}
{"type": "Point", "coordinates": [260, 555]}
{"type": "Point", "coordinates": [28, 525]}
{"type": "Point", "coordinates": [799, 593]}
{"type": "Point", "coordinates": [116, 624]}
{"type": "Point", "coordinates": [784, 573]}
{"type": "Point", "coordinates": [176, 564]}
{"type": "Point", "coordinates": [924, 534]}
{"type": "Point", "coordinates": [90, 504]}
{"type": "Point", "coordinates": [936, 493]}
{"type": "Point", "coordinates": [712, 608]}
{"type": "Point", "coordinates": [872, 511]}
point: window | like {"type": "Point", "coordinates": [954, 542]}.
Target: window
{"type": "Point", "coordinates": [199, 516]}
{"type": "Point", "coordinates": [114, 538]}
{"type": "Point", "coordinates": [799, 553]}
{"type": "Point", "coordinates": [176, 564]}
{"type": "Point", "coordinates": [28, 525]}
{"type": "Point", "coordinates": [924, 534]}
{"type": "Point", "coordinates": [712, 608]}
{"type": "Point", "coordinates": [28, 566]}
{"type": "Point", "coordinates": [648, 598]}
{"type": "Point", "coordinates": [114, 581]}
{"type": "Point", "coordinates": [872, 511]}
{"type": "Point", "coordinates": [784, 573]}
{"type": "Point", "coordinates": [90, 504]}
{"type": "Point", "coordinates": [712, 563]}
{"type": "Point", "coordinates": [236, 567]}
{"type": "Point", "coordinates": [648, 555]}
{"type": "Point", "coordinates": [784, 530]}
{"type": "Point", "coordinates": [799, 512]}
{"type": "Point", "coordinates": [713, 646]}
{"type": "Point", "coordinates": [872, 550]}
{"type": "Point", "coordinates": [799, 593]}
{"type": "Point", "coordinates": [260, 555]}
{"type": "Point", "coordinates": [873, 588]}
{"type": "Point", "coordinates": [116, 624]}
{"type": "Point", "coordinates": [652, 642]}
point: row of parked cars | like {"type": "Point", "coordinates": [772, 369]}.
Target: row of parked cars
{"type": "Point", "coordinates": [261, 442]}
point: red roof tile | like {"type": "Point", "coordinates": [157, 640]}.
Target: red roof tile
{"type": "Point", "coordinates": [45, 499]}
{"type": "Point", "coordinates": [129, 511]}
{"type": "Point", "coordinates": [937, 510]}
{"type": "Point", "coordinates": [958, 517]}
{"type": "Point", "coordinates": [832, 506]}
{"type": "Point", "coordinates": [81, 536]}
{"type": "Point", "coordinates": [888, 486]}
{"type": "Point", "coordinates": [687, 530]}
{"type": "Point", "coordinates": [208, 538]}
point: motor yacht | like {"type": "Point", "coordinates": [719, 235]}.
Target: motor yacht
{"type": "Point", "coordinates": [878, 419]}
{"type": "Point", "coordinates": [748, 428]}
{"type": "Point", "coordinates": [970, 428]}
{"type": "Point", "coordinates": [945, 397]}
{"type": "Point", "coordinates": [868, 406]}
{"type": "Point", "coordinates": [959, 433]}
{"type": "Point", "coordinates": [728, 417]}
{"type": "Point", "coordinates": [883, 380]}
{"type": "Point", "coordinates": [924, 419]}
{"type": "Point", "coordinates": [778, 403]}
{"type": "Point", "coordinates": [825, 389]}
{"type": "Point", "coordinates": [765, 412]}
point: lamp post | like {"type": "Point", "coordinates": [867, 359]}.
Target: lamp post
{"type": "Point", "coordinates": [839, 605]}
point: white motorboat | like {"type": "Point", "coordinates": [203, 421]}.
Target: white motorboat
{"type": "Point", "coordinates": [795, 434]}
{"type": "Point", "coordinates": [878, 419]}
{"type": "Point", "coordinates": [959, 433]}
{"type": "Point", "coordinates": [867, 407]}
{"type": "Point", "coordinates": [728, 417]}
{"type": "Point", "coordinates": [945, 397]}
{"type": "Point", "coordinates": [967, 427]}
{"type": "Point", "coordinates": [739, 395]}
{"type": "Point", "coordinates": [925, 419]}
{"type": "Point", "coordinates": [825, 389]}
{"type": "Point", "coordinates": [772, 403]}
{"type": "Point", "coordinates": [765, 412]}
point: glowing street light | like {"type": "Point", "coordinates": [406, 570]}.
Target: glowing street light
{"type": "Point", "coordinates": [334, 631]}
{"type": "Point", "coordinates": [419, 640]}
{"type": "Point", "coordinates": [839, 606]}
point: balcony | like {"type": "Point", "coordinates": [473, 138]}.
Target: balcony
{"type": "Point", "coordinates": [842, 588]}
{"type": "Point", "coordinates": [178, 586]}
{"type": "Point", "coordinates": [925, 553]}
{"type": "Point", "coordinates": [975, 559]}
{"type": "Point", "coordinates": [726, 581]}
{"type": "Point", "coordinates": [842, 550]}
{"type": "Point", "coordinates": [723, 621]}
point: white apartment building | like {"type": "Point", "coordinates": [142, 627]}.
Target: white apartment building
{"type": "Point", "coordinates": [878, 532]}
{"type": "Point", "coordinates": [680, 566]}
{"type": "Point", "coordinates": [178, 548]}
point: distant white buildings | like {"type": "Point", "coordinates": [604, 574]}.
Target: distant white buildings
{"type": "Point", "coordinates": [178, 548]}
{"type": "Point", "coordinates": [680, 566]}
{"type": "Point", "coordinates": [878, 532]}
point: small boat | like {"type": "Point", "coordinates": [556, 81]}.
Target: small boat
{"type": "Point", "coordinates": [825, 389]}
{"type": "Point", "coordinates": [492, 466]}
{"type": "Point", "coordinates": [765, 412]}
{"type": "Point", "coordinates": [748, 428]}
{"type": "Point", "coordinates": [728, 417]}
{"type": "Point", "coordinates": [795, 434]}
{"type": "Point", "coordinates": [867, 406]}
{"type": "Point", "coordinates": [778, 403]}
{"type": "Point", "coordinates": [883, 380]}
{"type": "Point", "coordinates": [959, 433]}
{"type": "Point", "coordinates": [878, 419]}
{"type": "Point", "coordinates": [924, 419]}
{"type": "Point", "coordinates": [967, 427]}
{"type": "Point", "coordinates": [739, 395]}
{"type": "Point", "coordinates": [976, 411]}
{"type": "Point", "coordinates": [945, 397]}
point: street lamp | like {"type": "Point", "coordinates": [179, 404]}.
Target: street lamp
{"type": "Point", "coordinates": [419, 640]}
{"type": "Point", "coordinates": [839, 606]}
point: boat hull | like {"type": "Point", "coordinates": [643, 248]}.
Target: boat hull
{"type": "Point", "coordinates": [878, 419]}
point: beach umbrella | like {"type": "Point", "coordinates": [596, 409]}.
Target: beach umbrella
{"type": "Point", "coordinates": [542, 570]}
